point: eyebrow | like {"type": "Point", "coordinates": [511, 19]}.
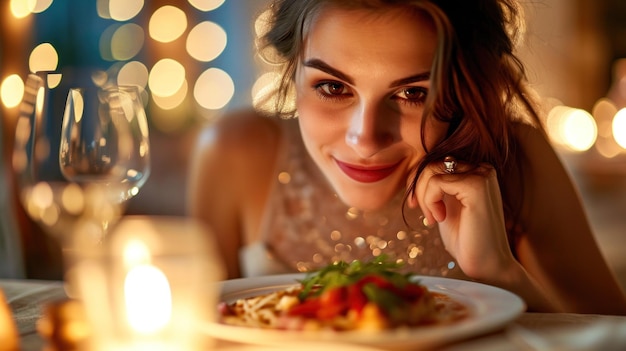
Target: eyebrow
{"type": "Point", "coordinates": [324, 67]}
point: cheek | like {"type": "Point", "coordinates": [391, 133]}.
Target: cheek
{"type": "Point", "coordinates": [435, 132]}
{"type": "Point", "coordinates": [318, 123]}
{"type": "Point", "coordinates": [411, 135]}
{"type": "Point", "coordinates": [313, 128]}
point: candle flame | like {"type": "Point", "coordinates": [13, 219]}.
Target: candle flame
{"type": "Point", "coordinates": [148, 299]}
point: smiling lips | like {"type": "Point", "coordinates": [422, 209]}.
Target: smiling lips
{"type": "Point", "coordinates": [367, 174]}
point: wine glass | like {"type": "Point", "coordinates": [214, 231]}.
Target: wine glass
{"type": "Point", "coordinates": [104, 139]}
{"type": "Point", "coordinates": [74, 177]}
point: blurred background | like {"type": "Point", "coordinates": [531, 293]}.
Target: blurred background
{"type": "Point", "coordinates": [195, 59]}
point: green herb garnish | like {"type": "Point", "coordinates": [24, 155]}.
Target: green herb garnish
{"type": "Point", "coordinates": [344, 274]}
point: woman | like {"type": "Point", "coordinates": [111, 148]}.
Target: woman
{"type": "Point", "coordinates": [416, 137]}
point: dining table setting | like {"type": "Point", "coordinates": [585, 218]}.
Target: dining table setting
{"type": "Point", "coordinates": [38, 315]}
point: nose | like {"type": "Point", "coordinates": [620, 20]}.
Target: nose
{"type": "Point", "coordinates": [371, 130]}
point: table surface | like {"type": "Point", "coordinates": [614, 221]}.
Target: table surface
{"type": "Point", "coordinates": [26, 299]}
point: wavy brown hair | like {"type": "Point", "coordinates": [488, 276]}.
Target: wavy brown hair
{"type": "Point", "coordinates": [478, 84]}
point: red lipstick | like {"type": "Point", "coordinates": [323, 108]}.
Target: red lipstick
{"type": "Point", "coordinates": [367, 174]}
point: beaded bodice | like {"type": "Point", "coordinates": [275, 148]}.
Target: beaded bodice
{"type": "Point", "coordinates": [307, 226]}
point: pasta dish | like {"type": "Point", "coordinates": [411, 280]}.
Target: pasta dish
{"type": "Point", "coordinates": [347, 296]}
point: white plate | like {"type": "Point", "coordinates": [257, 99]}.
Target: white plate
{"type": "Point", "coordinates": [491, 309]}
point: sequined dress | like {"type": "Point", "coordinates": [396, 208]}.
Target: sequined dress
{"type": "Point", "coordinates": [307, 226]}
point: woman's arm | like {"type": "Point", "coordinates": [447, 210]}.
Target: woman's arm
{"type": "Point", "coordinates": [558, 267]}
{"type": "Point", "coordinates": [229, 179]}
{"type": "Point", "coordinates": [558, 247]}
{"type": "Point", "coordinates": [468, 209]}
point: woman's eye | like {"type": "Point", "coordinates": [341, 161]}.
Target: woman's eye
{"type": "Point", "coordinates": [332, 89]}
{"type": "Point", "coordinates": [413, 94]}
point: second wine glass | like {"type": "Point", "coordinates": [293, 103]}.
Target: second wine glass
{"type": "Point", "coordinates": [104, 139]}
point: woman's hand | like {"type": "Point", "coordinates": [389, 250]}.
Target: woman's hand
{"type": "Point", "coordinates": [468, 207]}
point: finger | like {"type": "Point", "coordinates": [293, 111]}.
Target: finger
{"type": "Point", "coordinates": [445, 194]}
{"type": "Point", "coordinates": [417, 191]}
{"type": "Point", "coordinates": [436, 188]}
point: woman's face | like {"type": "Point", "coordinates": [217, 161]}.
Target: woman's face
{"type": "Point", "coordinates": [361, 87]}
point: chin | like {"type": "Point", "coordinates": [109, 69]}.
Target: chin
{"type": "Point", "coordinates": [365, 200]}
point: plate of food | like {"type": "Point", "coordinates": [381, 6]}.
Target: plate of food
{"type": "Point", "coordinates": [360, 303]}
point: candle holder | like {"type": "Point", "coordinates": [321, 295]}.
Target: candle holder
{"type": "Point", "coordinates": [150, 286]}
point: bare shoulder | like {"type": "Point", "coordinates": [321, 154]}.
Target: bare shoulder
{"type": "Point", "coordinates": [230, 176]}
{"type": "Point", "coordinates": [557, 233]}
{"type": "Point", "coordinates": [532, 139]}
{"type": "Point", "coordinates": [541, 163]}
{"type": "Point", "coordinates": [244, 134]}
{"type": "Point", "coordinates": [235, 155]}
{"type": "Point", "coordinates": [549, 192]}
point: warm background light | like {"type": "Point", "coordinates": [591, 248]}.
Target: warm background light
{"type": "Point", "coordinates": [206, 41]}
{"type": "Point", "coordinates": [571, 127]}
{"type": "Point", "coordinates": [619, 127]}
{"type": "Point", "coordinates": [173, 100]}
{"type": "Point", "coordinates": [214, 89]}
{"type": "Point", "coordinates": [603, 112]}
{"type": "Point", "coordinates": [41, 5]}
{"type": "Point", "coordinates": [172, 52]}
{"type": "Point", "coordinates": [166, 78]}
{"type": "Point", "coordinates": [12, 90]}
{"type": "Point", "coordinates": [44, 57]}
{"type": "Point", "coordinates": [167, 24]}
{"type": "Point", "coordinates": [21, 8]}
{"type": "Point", "coordinates": [124, 10]}
{"type": "Point", "coordinates": [126, 42]}
{"type": "Point", "coordinates": [133, 73]}
{"type": "Point", "coordinates": [206, 5]}
{"type": "Point", "coordinates": [54, 80]}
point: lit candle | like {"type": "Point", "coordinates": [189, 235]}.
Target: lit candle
{"type": "Point", "coordinates": [151, 287]}
{"type": "Point", "coordinates": [148, 299]}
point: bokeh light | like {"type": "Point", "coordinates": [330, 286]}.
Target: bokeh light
{"type": "Point", "coordinates": [206, 41]}
{"type": "Point", "coordinates": [21, 8]}
{"type": "Point", "coordinates": [167, 24]}
{"type": "Point", "coordinates": [126, 37]}
{"type": "Point", "coordinates": [171, 101]}
{"type": "Point", "coordinates": [54, 79]}
{"type": "Point", "coordinates": [133, 73]}
{"type": "Point", "coordinates": [124, 10]}
{"type": "Point", "coordinates": [206, 5]}
{"type": "Point", "coordinates": [166, 78]}
{"type": "Point", "coordinates": [619, 127]}
{"type": "Point", "coordinates": [126, 42]}
{"type": "Point", "coordinates": [44, 57]}
{"type": "Point", "coordinates": [121, 42]}
{"type": "Point", "coordinates": [214, 89]}
{"type": "Point", "coordinates": [119, 10]}
{"type": "Point", "coordinates": [12, 91]}
{"type": "Point", "coordinates": [571, 127]}
{"type": "Point", "coordinates": [171, 121]}
{"type": "Point", "coordinates": [41, 5]}
{"type": "Point", "coordinates": [603, 112]}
